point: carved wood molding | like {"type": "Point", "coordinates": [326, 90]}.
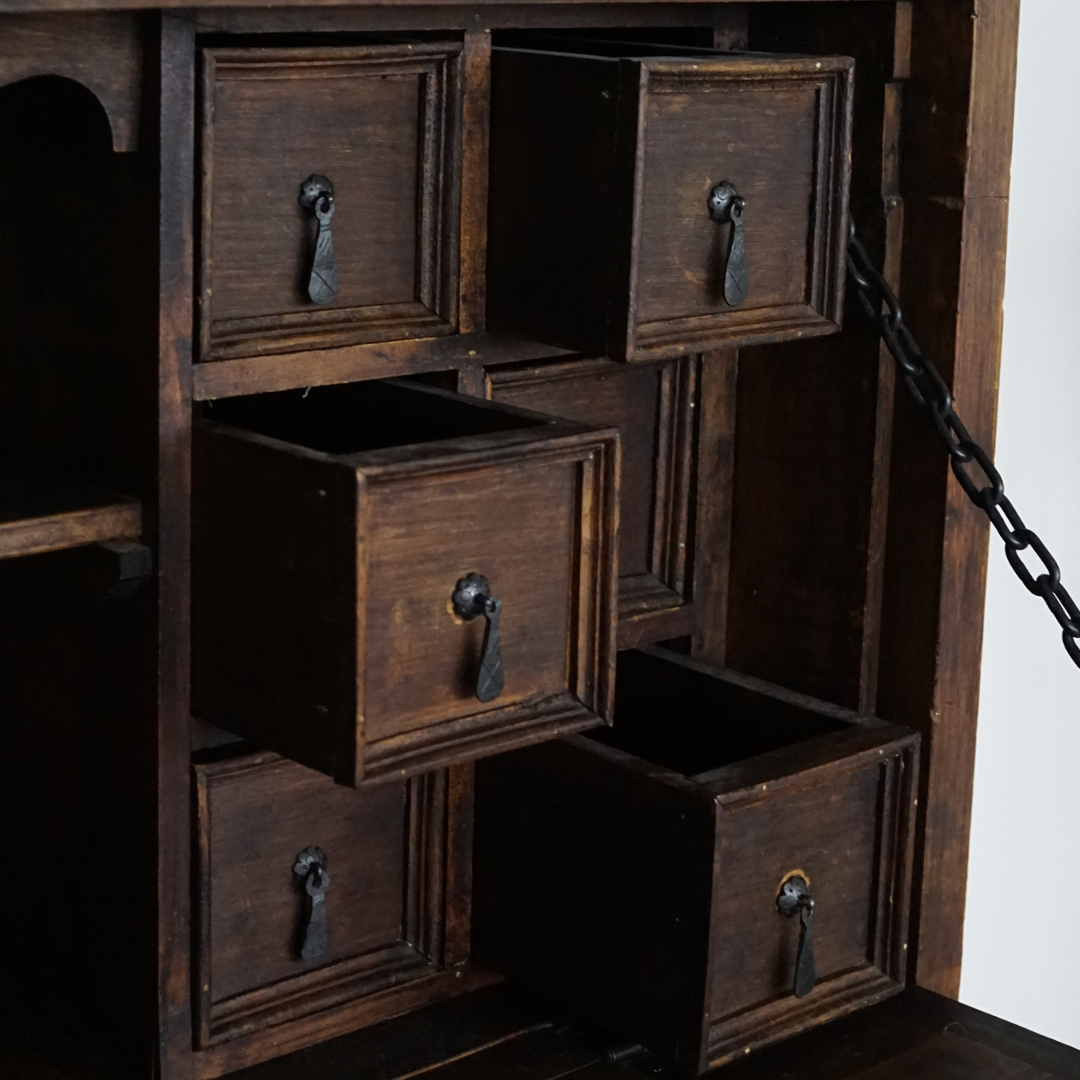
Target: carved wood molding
{"type": "Point", "coordinates": [103, 52]}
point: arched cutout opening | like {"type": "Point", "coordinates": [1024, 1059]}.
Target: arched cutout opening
{"type": "Point", "coordinates": [77, 287]}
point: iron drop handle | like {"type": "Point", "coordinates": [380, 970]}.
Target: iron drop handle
{"type": "Point", "coordinates": [315, 933]}
{"type": "Point", "coordinates": [727, 207]}
{"type": "Point", "coordinates": [795, 899]}
{"type": "Point", "coordinates": [472, 597]}
{"type": "Point", "coordinates": [317, 195]}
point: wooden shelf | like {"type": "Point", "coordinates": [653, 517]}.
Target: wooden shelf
{"type": "Point", "coordinates": [40, 513]}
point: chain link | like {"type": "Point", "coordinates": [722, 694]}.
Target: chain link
{"type": "Point", "coordinates": [929, 391]}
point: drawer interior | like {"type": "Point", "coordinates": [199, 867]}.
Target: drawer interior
{"type": "Point", "coordinates": [359, 417]}
{"type": "Point", "coordinates": [692, 720]}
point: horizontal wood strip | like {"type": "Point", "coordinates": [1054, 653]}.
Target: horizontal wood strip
{"type": "Point", "coordinates": [130, 5]}
{"type": "Point", "coordinates": [86, 520]}
{"type": "Point", "coordinates": [323, 367]}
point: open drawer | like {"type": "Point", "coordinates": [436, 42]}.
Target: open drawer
{"type": "Point", "coordinates": [389, 578]}
{"type": "Point", "coordinates": [638, 876]}
{"type": "Point", "coordinates": [651, 201]}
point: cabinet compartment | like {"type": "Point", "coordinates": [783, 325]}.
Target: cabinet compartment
{"type": "Point", "coordinates": [396, 903]}
{"type": "Point", "coordinates": [331, 530]}
{"type": "Point", "coordinates": [634, 876]}
{"type": "Point", "coordinates": [382, 122]}
{"type": "Point", "coordinates": [601, 236]}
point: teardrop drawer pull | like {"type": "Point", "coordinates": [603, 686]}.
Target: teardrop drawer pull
{"type": "Point", "coordinates": [317, 195]}
{"type": "Point", "coordinates": [727, 206]}
{"type": "Point", "coordinates": [315, 934]}
{"type": "Point", "coordinates": [795, 899]}
{"type": "Point", "coordinates": [472, 597]}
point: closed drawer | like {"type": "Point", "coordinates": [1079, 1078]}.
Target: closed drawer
{"type": "Point", "coordinates": [395, 903]}
{"type": "Point", "coordinates": [332, 529]}
{"type": "Point", "coordinates": [382, 123]}
{"type": "Point", "coordinates": [635, 876]}
{"type": "Point", "coordinates": [602, 236]}
{"type": "Point", "coordinates": [653, 406]}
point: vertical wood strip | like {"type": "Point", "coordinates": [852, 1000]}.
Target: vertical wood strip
{"type": "Point", "coordinates": [901, 68]}
{"type": "Point", "coordinates": [174, 75]}
{"type": "Point", "coordinates": [476, 114]}
{"type": "Point", "coordinates": [662, 477]}
{"type": "Point", "coordinates": [957, 152]}
{"type": "Point", "coordinates": [892, 229]}
{"type": "Point", "coordinates": [677, 547]}
{"type": "Point", "coordinates": [712, 498]}
{"type": "Point", "coordinates": [459, 860]}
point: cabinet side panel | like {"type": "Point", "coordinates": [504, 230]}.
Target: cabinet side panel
{"type": "Point", "coordinates": [552, 151]}
{"type": "Point", "coordinates": [814, 419]}
{"type": "Point", "coordinates": [274, 617]}
{"type": "Point", "coordinates": [955, 172]}
{"type": "Point", "coordinates": [593, 885]}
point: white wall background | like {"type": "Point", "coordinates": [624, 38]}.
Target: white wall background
{"type": "Point", "coordinates": [1022, 935]}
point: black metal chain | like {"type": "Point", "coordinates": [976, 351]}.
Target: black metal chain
{"type": "Point", "coordinates": [928, 390]}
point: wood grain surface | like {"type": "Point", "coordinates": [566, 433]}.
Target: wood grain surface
{"type": "Point", "coordinates": [39, 514]}
{"type": "Point", "coordinates": [957, 147]}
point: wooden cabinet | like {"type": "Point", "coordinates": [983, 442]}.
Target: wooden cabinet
{"type": "Point", "coordinates": [603, 167]}
{"type": "Point", "coordinates": [635, 875]}
{"type": "Point", "coordinates": [383, 123]}
{"type": "Point", "coordinates": [554, 351]}
{"type": "Point", "coordinates": [332, 531]}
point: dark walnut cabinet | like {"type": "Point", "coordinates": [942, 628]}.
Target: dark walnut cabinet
{"type": "Point", "coordinates": [459, 541]}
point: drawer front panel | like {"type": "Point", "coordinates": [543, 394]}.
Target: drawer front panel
{"type": "Point", "coordinates": [259, 820]}
{"type": "Point", "coordinates": [777, 130]}
{"type": "Point", "coordinates": [397, 858]}
{"type": "Point", "coordinates": [846, 825]}
{"type": "Point", "coordinates": [764, 146]}
{"type": "Point", "coordinates": [828, 830]}
{"type": "Point", "coordinates": [382, 124]}
{"type": "Point", "coordinates": [516, 526]}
